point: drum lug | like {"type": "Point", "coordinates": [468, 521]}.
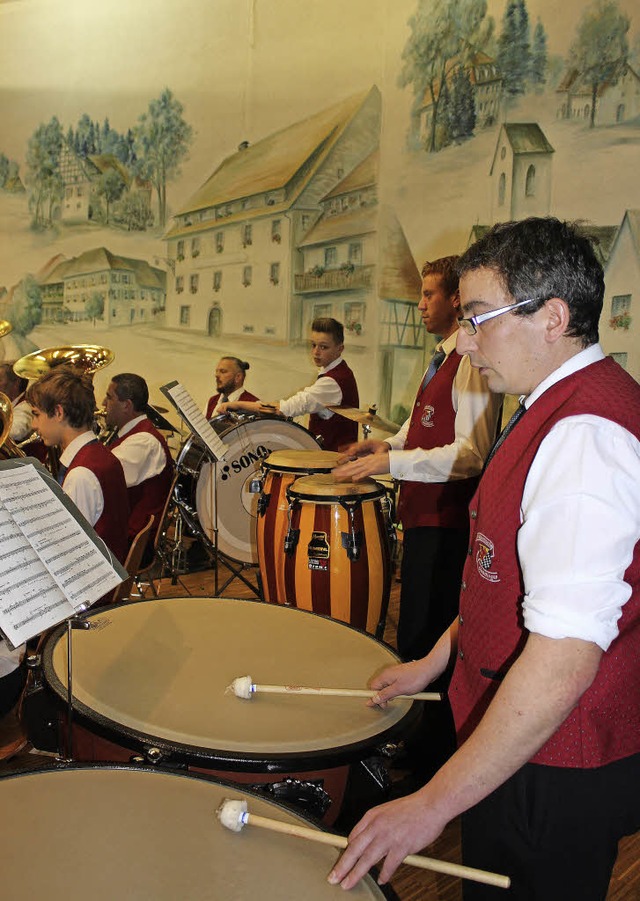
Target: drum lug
{"type": "Point", "coordinates": [291, 541]}
{"type": "Point", "coordinates": [378, 772]}
{"type": "Point", "coordinates": [352, 542]}
{"type": "Point", "coordinates": [308, 796]}
{"type": "Point", "coordinates": [263, 500]}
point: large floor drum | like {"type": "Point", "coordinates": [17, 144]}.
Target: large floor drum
{"type": "Point", "coordinates": [337, 550]}
{"type": "Point", "coordinates": [105, 833]}
{"type": "Point", "coordinates": [280, 470]}
{"type": "Point", "coordinates": [150, 677]}
{"type": "Point", "coordinates": [227, 486]}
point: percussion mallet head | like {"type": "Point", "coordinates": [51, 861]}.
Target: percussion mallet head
{"type": "Point", "coordinates": [242, 687]}
{"type": "Point", "coordinates": [233, 814]}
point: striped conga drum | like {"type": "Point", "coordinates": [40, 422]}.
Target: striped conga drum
{"type": "Point", "coordinates": [337, 558]}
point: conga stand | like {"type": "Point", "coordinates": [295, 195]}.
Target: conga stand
{"type": "Point", "coordinates": [236, 569]}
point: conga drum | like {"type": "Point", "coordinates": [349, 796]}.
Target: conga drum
{"type": "Point", "coordinates": [140, 834]}
{"type": "Point", "coordinates": [337, 558]}
{"type": "Point", "coordinates": [280, 470]}
{"type": "Point", "coordinates": [149, 678]}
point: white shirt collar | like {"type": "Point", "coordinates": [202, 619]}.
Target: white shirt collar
{"type": "Point", "coordinates": [67, 455]}
{"type": "Point", "coordinates": [330, 366]}
{"type": "Point", "coordinates": [126, 428]}
{"type": "Point", "coordinates": [581, 360]}
{"type": "Point", "coordinates": [449, 344]}
{"type": "Point", "coordinates": [235, 395]}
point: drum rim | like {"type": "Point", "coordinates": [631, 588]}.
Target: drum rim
{"type": "Point", "coordinates": [300, 494]}
{"type": "Point", "coordinates": [196, 755]}
{"type": "Point", "coordinates": [386, 891]}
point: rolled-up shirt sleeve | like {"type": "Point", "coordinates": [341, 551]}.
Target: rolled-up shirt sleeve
{"type": "Point", "coordinates": [580, 524]}
{"type": "Point", "coordinates": [325, 392]}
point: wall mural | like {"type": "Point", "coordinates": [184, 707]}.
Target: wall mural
{"type": "Point", "coordinates": [178, 182]}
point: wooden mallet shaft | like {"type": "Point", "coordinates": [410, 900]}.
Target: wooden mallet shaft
{"type": "Point", "coordinates": [243, 687]}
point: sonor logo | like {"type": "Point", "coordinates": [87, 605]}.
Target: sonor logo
{"type": "Point", "coordinates": [246, 461]}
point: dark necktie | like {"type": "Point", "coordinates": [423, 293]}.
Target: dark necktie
{"type": "Point", "coordinates": [434, 365]}
{"type": "Point", "coordinates": [517, 416]}
{"type": "Point", "coordinates": [62, 471]}
{"type": "Point", "coordinates": [224, 399]}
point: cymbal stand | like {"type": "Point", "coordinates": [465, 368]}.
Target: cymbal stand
{"type": "Point", "coordinates": [73, 622]}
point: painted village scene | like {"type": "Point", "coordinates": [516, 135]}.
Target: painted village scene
{"type": "Point", "coordinates": [178, 190]}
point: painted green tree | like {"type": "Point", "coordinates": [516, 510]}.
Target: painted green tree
{"type": "Point", "coordinates": [110, 186]}
{"type": "Point", "coordinates": [43, 174]}
{"type": "Point", "coordinates": [600, 48]}
{"type": "Point", "coordinates": [444, 34]}
{"type": "Point", "coordinates": [162, 138]}
{"type": "Point", "coordinates": [514, 53]}
{"type": "Point", "coordinates": [25, 312]}
{"type": "Point", "coordinates": [538, 70]}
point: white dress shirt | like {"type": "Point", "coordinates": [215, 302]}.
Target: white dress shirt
{"type": "Point", "coordinates": [580, 522]}
{"type": "Point", "coordinates": [235, 395]}
{"type": "Point", "coordinates": [477, 412]}
{"type": "Point", "coordinates": [141, 455]}
{"type": "Point", "coordinates": [316, 398]}
{"type": "Point", "coordinates": [81, 484]}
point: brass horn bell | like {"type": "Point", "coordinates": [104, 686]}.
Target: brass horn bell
{"type": "Point", "coordinates": [87, 357]}
{"type": "Point", "coordinates": [8, 447]}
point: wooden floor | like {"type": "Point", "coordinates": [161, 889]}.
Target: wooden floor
{"type": "Point", "coordinates": [409, 884]}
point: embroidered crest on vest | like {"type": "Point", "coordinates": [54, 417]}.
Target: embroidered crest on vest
{"type": "Point", "coordinates": [484, 558]}
{"type": "Point", "coordinates": [427, 416]}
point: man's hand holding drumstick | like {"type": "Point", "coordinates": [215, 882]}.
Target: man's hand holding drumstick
{"type": "Point", "coordinates": [250, 406]}
{"type": "Point", "coordinates": [361, 460]}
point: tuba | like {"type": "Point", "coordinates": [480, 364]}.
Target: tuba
{"type": "Point", "coordinates": [8, 447]}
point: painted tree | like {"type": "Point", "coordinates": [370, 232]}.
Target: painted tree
{"type": "Point", "coordinates": [94, 307]}
{"type": "Point", "coordinates": [133, 212]}
{"type": "Point", "coordinates": [462, 115]}
{"type": "Point", "coordinates": [162, 137]}
{"type": "Point", "coordinates": [443, 33]}
{"type": "Point", "coordinates": [600, 48]}
{"type": "Point", "coordinates": [43, 174]}
{"type": "Point", "coordinates": [110, 186]}
{"type": "Point", "coordinates": [25, 312]}
{"type": "Point", "coordinates": [514, 54]}
{"type": "Point", "coordinates": [538, 68]}
{"type": "Point", "coordinates": [4, 169]}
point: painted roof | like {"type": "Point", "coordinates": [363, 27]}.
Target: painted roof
{"type": "Point", "coordinates": [364, 175]}
{"type": "Point", "coordinates": [524, 137]}
{"type": "Point", "coordinates": [342, 225]}
{"type": "Point", "coordinates": [98, 260]}
{"type": "Point", "coordinates": [632, 219]}
{"type": "Point", "coordinates": [272, 162]}
{"type": "Point", "coordinates": [399, 277]}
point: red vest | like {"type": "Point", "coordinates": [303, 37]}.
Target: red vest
{"type": "Point", "coordinates": [149, 497]}
{"type": "Point", "coordinates": [338, 431]}
{"type": "Point", "coordinates": [112, 524]}
{"type": "Point", "coordinates": [213, 402]}
{"type": "Point", "coordinates": [605, 725]}
{"type": "Point", "coordinates": [443, 504]}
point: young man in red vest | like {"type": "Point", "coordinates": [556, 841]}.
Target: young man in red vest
{"type": "Point", "coordinates": [545, 688]}
{"type": "Point", "coordinates": [141, 450]}
{"type": "Point", "coordinates": [230, 375]}
{"type": "Point", "coordinates": [63, 406]}
{"type": "Point", "coordinates": [334, 387]}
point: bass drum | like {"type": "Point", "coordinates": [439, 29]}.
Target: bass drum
{"type": "Point", "coordinates": [232, 483]}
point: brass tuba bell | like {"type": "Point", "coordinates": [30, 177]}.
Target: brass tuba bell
{"type": "Point", "coordinates": [8, 447]}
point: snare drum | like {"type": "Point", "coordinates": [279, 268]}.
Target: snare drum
{"type": "Point", "coordinates": [202, 486]}
{"type": "Point", "coordinates": [120, 832]}
{"type": "Point", "coordinates": [337, 557]}
{"type": "Point", "coordinates": [280, 470]}
{"type": "Point", "coordinates": [150, 677]}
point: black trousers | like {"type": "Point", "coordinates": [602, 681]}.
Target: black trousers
{"type": "Point", "coordinates": [11, 688]}
{"type": "Point", "coordinates": [432, 563]}
{"type": "Point", "coordinates": [554, 831]}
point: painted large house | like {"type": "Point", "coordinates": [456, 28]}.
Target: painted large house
{"type": "Point", "coordinates": [129, 291]}
{"type": "Point", "coordinates": [617, 100]}
{"type": "Point", "coordinates": [290, 228]}
{"type": "Point", "coordinates": [620, 321]}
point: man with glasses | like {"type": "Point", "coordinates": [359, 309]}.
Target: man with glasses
{"type": "Point", "coordinates": [545, 688]}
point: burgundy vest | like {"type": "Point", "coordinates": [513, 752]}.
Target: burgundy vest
{"type": "Point", "coordinates": [149, 497]}
{"type": "Point", "coordinates": [443, 504]}
{"type": "Point", "coordinates": [338, 431]}
{"type": "Point", "coordinates": [213, 401]}
{"type": "Point", "coordinates": [112, 524]}
{"type": "Point", "coordinates": [605, 725]}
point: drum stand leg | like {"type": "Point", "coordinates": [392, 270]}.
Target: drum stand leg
{"type": "Point", "coordinates": [234, 568]}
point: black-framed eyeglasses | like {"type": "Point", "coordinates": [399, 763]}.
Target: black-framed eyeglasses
{"type": "Point", "coordinates": [471, 323]}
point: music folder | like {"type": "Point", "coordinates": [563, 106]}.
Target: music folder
{"type": "Point", "coordinates": [52, 563]}
{"type": "Point", "coordinates": [187, 408]}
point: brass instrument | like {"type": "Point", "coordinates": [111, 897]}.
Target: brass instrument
{"type": "Point", "coordinates": [8, 447]}
{"type": "Point", "coordinates": [5, 327]}
{"type": "Point", "coordinates": [87, 357]}
{"type": "Point", "coordinates": [104, 433]}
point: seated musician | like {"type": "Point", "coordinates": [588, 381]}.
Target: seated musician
{"type": "Point", "coordinates": [230, 375]}
{"type": "Point", "coordinates": [141, 449]}
{"type": "Point", "coordinates": [335, 386]}
{"type": "Point", "coordinates": [14, 387]}
{"type": "Point", "coordinates": [62, 406]}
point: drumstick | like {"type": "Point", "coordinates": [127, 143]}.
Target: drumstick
{"type": "Point", "coordinates": [243, 687]}
{"type": "Point", "coordinates": [234, 815]}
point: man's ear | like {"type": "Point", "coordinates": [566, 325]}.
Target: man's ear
{"type": "Point", "coordinates": [455, 300]}
{"type": "Point", "coordinates": [558, 316]}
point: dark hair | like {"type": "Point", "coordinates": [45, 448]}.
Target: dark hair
{"type": "Point", "coordinates": [540, 259]}
{"type": "Point", "coordinates": [129, 386]}
{"type": "Point", "coordinates": [241, 364]}
{"type": "Point", "coordinates": [12, 378]}
{"type": "Point", "coordinates": [329, 327]}
{"type": "Point", "coordinates": [447, 269]}
{"type": "Point", "coordinates": [69, 388]}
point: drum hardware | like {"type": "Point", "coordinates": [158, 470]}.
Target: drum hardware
{"type": "Point", "coordinates": [351, 541]}
{"type": "Point", "coordinates": [87, 357]}
{"type": "Point", "coordinates": [306, 795]}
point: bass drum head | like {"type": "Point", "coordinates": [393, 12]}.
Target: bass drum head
{"type": "Point", "coordinates": [154, 835]}
{"type": "Point", "coordinates": [248, 444]}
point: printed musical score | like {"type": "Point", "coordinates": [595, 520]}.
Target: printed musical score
{"type": "Point", "coordinates": [198, 423]}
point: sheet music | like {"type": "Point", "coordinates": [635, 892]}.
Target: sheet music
{"type": "Point", "coordinates": [188, 409]}
{"type": "Point", "coordinates": [49, 564]}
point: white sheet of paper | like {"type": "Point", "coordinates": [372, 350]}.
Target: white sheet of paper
{"type": "Point", "coordinates": [188, 409]}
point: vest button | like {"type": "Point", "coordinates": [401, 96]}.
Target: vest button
{"type": "Point", "coordinates": [463, 585]}
{"type": "Point", "coordinates": [460, 620]}
{"type": "Point", "coordinates": [461, 655]}
{"type": "Point", "coordinates": [470, 551]}
{"type": "Point", "coordinates": [473, 514]}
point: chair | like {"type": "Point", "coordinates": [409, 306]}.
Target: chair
{"type": "Point", "coordinates": [132, 563]}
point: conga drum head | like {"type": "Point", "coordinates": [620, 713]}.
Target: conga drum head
{"type": "Point", "coordinates": [153, 674]}
{"type": "Point", "coordinates": [324, 488]}
{"type": "Point", "coordinates": [202, 487]}
{"type": "Point", "coordinates": [302, 461]}
{"type": "Point", "coordinates": [107, 833]}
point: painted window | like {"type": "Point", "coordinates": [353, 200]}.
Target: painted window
{"type": "Point", "coordinates": [330, 256]}
{"type": "Point", "coordinates": [502, 189]}
{"type": "Point", "coordinates": [185, 315]}
{"type": "Point", "coordinates": [276, 230]}
{"type": "Point", "coordinates": [247, 276]}
{"type": "Point", "coordinates": [195, 247]}
{"type": "Point", "coordinates": [219, 242]}
{"type": "Point", "coordinates": [620, 303]}
{"type": "Point", "coordinates": [530, 183]}
{"type": "Point", "coordinates": [274, 273]}
{"type": "Point", "coordinates": [180, 250]}
{"type": "Point", "coordinates": [179, 284]}
{"type": "Point", "coordinates": [247, 235]}
{"type": "Point", "coordinates": [217, 280]}
{"type": "Point", "coordinates": [354, 318]}
{"type": "Point", "coordinates": [193, 283]}
{"type": "Point", "coordinates": [355, 253]}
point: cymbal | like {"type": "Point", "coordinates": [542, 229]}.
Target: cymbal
{"type": "Point", "coordinates": [367, 417]}
{"type": "Point", "coordinates": [5, 327]}
{"type": "Point", "coordinates": [155, 415]}
{"type": "Point", "coordinates": [88, 357]}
